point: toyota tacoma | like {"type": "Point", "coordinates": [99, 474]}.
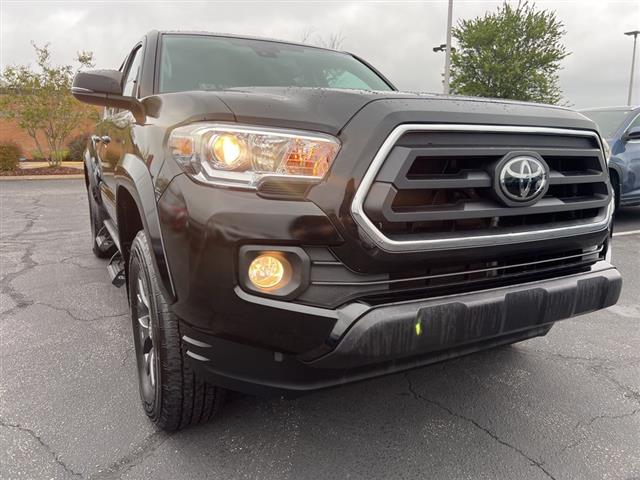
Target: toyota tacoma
{"type": "Point", "coordinates": [285, 220]}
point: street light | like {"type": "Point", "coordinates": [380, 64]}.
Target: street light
{"type": "Point", "coordinates": [446, 47]}
{"type": "Point", "coordinates": [447, 58]}
{"type": "Point", "coordinates": [635, 34]}
{"type": "Point", "coordinates": [443, 48]}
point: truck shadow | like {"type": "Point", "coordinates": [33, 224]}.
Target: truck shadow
{"type": "Point", "coordinates": [419, 420]}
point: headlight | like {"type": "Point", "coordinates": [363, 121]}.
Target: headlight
{"type": "Point", "coordinates": [236, 155]}
{"type": "Point", "coordinates": [607, 151]}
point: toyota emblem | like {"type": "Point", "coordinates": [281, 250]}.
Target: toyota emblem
{"type": "Point", "coordinates": [524, 179]}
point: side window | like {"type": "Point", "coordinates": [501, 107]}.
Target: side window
{"type": "Point", "coordinates": [343, 79]}
{"type": "Point", "coordinates": [129, 85]}
{"type": "Point", "coordinates": [634, 123]}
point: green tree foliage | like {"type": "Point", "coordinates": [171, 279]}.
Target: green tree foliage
{"type": "Point", "coordinates": [513, 53]}
{"type": "Point", "coordinates": [41, 102]}
{"type": "Point", "coordinates": [9, 154]}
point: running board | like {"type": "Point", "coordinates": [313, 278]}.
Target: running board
{"type": "Point", "coordinates": [113, 232]}
{"type": "Point", "coordinates": [103, 240]}
{"type": "Point", "coordinates": [116, 270]}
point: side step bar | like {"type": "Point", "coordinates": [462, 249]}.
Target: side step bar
{"type": "Point", "coordinates": [113, 232]}
{"type": "Point", "coordinates": [116, 270]}
{"type": "Point", "coordinates": [103, 240]}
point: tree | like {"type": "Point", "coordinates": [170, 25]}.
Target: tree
{"type": "Point", "coordinates": [332, 41]}
{"type": "Point", "coordinates": [41, 103]}
{"type": "Point", "coordinates": [513, 53]}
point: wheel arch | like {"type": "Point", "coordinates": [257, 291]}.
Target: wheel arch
{"type": "Point", "coordinates": [136, 210]}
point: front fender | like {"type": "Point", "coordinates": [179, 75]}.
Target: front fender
{"type": "Point", "coordinates": [133, 177]}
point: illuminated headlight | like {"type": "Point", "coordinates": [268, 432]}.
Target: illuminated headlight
{"type": "Point", "coordinates": [236, 155]}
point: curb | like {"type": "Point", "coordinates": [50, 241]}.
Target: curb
{"type": "Point", "coordinates": [72, 176]}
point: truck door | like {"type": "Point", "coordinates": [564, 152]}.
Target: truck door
{"type": "Point", "coordinates": [631, 156]}
{"type": "Point", "coordinates": [113, 134]}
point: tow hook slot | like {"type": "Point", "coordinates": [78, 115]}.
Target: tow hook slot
{"type": "Point", "coordinates": [116, 270]}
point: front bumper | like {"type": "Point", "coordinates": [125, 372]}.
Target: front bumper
{"type": "Point", "coordinates": [372, 341]}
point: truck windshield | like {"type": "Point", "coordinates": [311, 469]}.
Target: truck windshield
{"type": "Point", "coordinates": [200, 62]}
{"type": "Point", "coordinates": [608, 120]}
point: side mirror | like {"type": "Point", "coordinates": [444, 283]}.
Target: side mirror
{"type": "Point", "coordinates": [104, 87]}
{"type": "Point", "coordinates": [632, 134]}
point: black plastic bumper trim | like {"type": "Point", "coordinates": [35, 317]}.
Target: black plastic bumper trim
{"type": "Point", "coordinates": [389, 332]}
{"type": "Point", "coordinates": [383, 340]}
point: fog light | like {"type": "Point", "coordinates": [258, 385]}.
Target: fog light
{"type": "Point", "coordinates": [269, 271]}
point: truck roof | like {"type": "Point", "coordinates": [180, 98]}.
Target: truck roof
{"type": "Point", "coordinates": [242, 37]}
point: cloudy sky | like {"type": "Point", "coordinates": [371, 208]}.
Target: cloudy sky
{"type": "Point", "coordinates": [395, 36]}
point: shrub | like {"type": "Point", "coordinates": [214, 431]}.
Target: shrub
{"type": "Point", "coordinates": [37, 156]}
{"type": "Point", "coordinates": [76, 147]}
{"type": "Point", "coordinates": [9, 154]}
{"type": "Point", "coordinates": [58, 156]}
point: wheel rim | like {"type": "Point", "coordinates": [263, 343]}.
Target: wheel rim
{"type": "Point", "coordinates": [145, 348]}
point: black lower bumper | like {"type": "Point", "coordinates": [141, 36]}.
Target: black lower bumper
{"type": "Point", "coordinates": [385, 339]}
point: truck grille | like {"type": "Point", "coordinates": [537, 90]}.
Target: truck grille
{"type": "Point", "coordinates": [433, 186]}
{"type": "Point", "coordinates": [332, 283]}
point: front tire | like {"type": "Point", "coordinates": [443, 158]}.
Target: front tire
{"type": "Point", "coordinates": [172, 396]}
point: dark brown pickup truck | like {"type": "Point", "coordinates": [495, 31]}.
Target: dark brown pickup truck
{"type": "Point", "coordinates": [285, 220]}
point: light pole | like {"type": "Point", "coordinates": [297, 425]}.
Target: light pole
{"type": "Point", "coordinates": [447, 59]}
{"type": "Point", "coordinates": [635, 34]}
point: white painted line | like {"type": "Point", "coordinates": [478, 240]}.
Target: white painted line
{"type": "Point", "coordinates": [622, 234]}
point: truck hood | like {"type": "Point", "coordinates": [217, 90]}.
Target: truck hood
{"type": "Point", "coordinates": [319, 109]}
{"type": "Point", "coordinates": [329, 110]}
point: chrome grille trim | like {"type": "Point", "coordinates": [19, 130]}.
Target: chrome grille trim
{"type": "Point", "coordinates": [389, 244]}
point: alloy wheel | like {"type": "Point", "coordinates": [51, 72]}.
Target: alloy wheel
{"type": "Point", "coordinates": [145, 349]}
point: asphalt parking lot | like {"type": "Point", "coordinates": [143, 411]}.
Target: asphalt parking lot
{"type": "Point", "coordinates": [566, 406]}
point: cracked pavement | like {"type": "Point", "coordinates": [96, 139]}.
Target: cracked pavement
{"type": "Point", "coordinates": [563, 406]}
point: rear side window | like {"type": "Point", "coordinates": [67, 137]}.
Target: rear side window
{"type": "Point", "coordinates": [190, 62]}
{"type": "Point", "coordinates": [635, 123]}
{"type": "Point", "coordinates": [608, 120]}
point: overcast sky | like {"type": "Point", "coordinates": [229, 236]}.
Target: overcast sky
{"type": "Point", "coordinates": [397, 37]}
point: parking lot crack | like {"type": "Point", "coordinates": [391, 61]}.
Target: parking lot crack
{"type": "Point", "coordinates": [629, 392]}
{"type": "Point", "coordinates": [37, 438]}
{"type": "Point", "coordinates": [19, 299]}
{"type": "Point", "coordinates": [26, 260]}
{"type": "Point", "coordinates": [121, 466]}
{"type": "Point", "coordinates": [584, 425]}
{"type": "Point", "coordinates": [62, 309]}
{"type": "Point", "coordinates": [613, 417]}
{"type": "Point", "coordinates": [491, 433]}
{"type": "Point", "coordinates": [76, 317]}
{"type": "Point", "coordinates": [570, 358]}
